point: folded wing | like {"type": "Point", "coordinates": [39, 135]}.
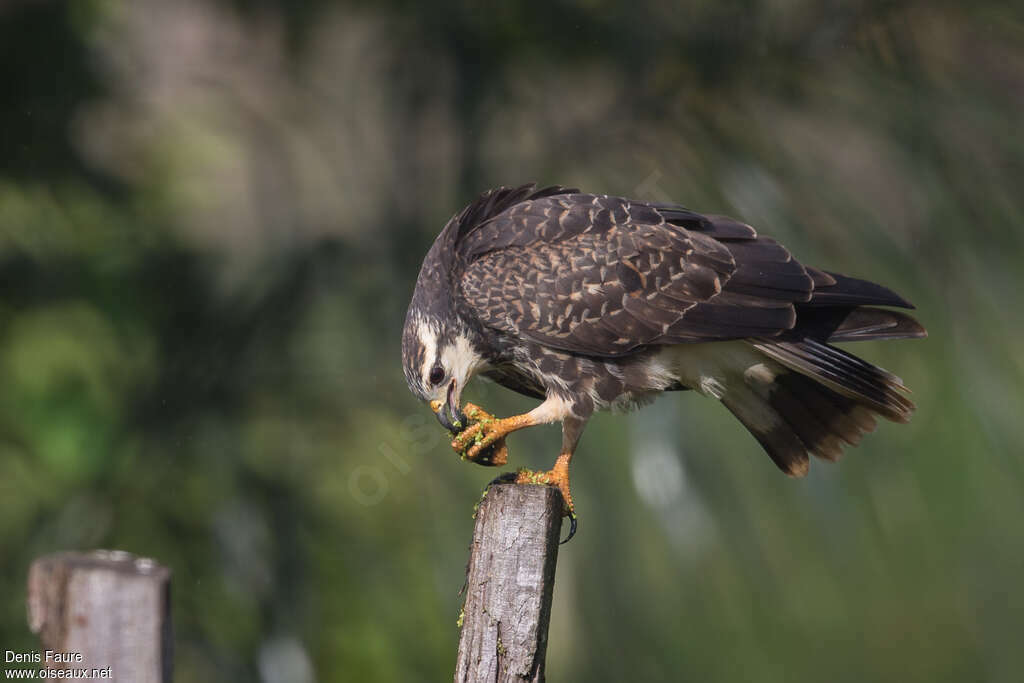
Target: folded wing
{"type": "Point", "coordinates": [603, 276]}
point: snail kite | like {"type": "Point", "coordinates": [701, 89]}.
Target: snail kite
{"type": "Point", "coordinates": [590, 302]}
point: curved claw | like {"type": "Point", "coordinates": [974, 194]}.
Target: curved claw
{"type": "Point", "coordinates": [503, 478]}
{"type": "Point", "coordinates": [572, 529]}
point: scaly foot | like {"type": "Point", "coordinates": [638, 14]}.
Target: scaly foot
{"type": "Point", "coordinates": [483, 442]}
{"type": "Point", "coordinates": [557, 476]}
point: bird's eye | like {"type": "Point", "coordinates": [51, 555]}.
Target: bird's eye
{"type": "Point", "coordinates": [436, 374]}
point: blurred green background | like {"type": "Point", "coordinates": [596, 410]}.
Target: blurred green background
{"type": "Point", "coordinates": [211, 217]}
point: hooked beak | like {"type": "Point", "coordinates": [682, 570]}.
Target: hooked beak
{"type": "Point", "coordinates": [448, 413]}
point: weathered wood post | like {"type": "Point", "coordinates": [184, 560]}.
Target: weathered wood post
{"type": "Point", "coordinates": [509, 584]}
{"type": "Point", "coordinates": [109, 607]}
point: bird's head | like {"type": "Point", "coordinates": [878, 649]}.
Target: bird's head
{"type": "Point", "coordinates": [438, 361]}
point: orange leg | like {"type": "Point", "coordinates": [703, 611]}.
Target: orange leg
{"type": "Point", "coordinates": [484, 442]}
{"type": "Point", "coordinates": [557, 476]}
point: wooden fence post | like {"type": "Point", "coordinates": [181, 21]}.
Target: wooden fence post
{"type": "Point", "coordinates": [510, 580]}
{"type": "Point", "coordinates": [109, 607]}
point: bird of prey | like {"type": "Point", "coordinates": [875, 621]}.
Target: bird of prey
{"type": "Point", "coordinates": [592, 302]}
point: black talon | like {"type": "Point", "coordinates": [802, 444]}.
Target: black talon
{"type": "Point", "coordinates": [503, 478]}
{"type": "Point", "coordinates": [572, 529]}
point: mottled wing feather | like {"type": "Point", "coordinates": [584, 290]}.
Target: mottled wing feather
{"type": "Point", "coordinates": [603, 276]}
{"type": "Point", "coordinates": [499, 199]}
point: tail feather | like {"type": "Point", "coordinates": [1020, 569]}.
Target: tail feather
{"type": "Point", "coordinates": [843, 416]}
{"type": "Point", "coordinates": [844, 373]}
{"type": "Point", "coordinates": [781, 443]}
{"type": "Point", "coordinates": [816, 434]}
{"type": "Point", "coordinates": [807, 398]}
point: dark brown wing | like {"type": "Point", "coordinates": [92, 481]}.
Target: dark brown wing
{"type": "Point", "coordinates": [603, 275]}
{"type": "Point", "coordinates": [516, 381]}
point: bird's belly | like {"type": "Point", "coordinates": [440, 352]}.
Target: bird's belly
{"type": "Point", "coordinates": [708, 368]}
{"type": "Point", "coordinates": [624, 383]}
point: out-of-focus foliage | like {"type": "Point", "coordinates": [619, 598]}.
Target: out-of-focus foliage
{"type": "Point", "coordinates": [211, 216]}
